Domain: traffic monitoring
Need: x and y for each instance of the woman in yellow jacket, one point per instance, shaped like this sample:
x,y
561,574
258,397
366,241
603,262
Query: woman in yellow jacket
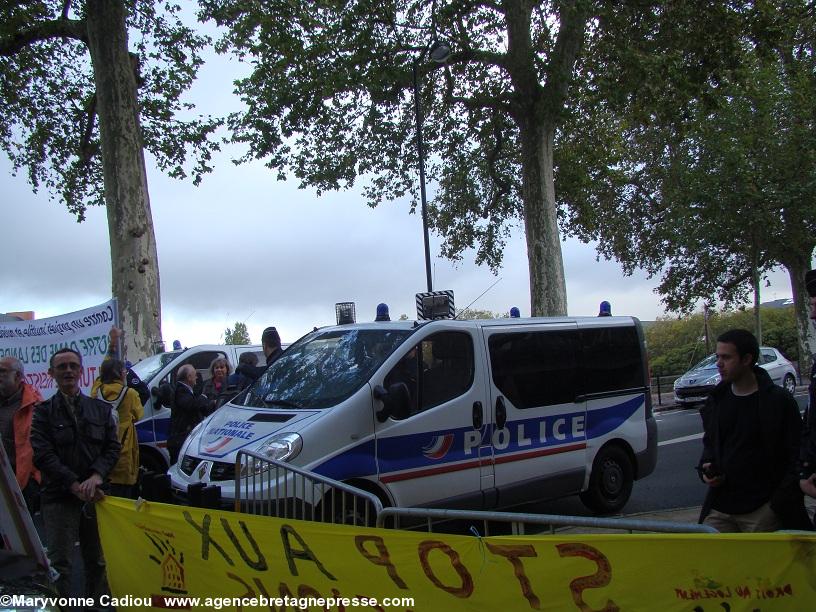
x,y
127,409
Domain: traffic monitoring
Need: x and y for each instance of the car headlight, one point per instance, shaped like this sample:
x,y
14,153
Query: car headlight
x,y
281,447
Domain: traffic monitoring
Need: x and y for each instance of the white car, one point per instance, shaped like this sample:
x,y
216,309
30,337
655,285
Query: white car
x,y
693,386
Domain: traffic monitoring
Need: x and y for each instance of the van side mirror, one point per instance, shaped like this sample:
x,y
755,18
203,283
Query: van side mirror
x,y
396,401
162,396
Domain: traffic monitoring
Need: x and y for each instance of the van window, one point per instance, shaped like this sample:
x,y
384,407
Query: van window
x,y
612,359
534,369
148,367
438,369
324,368
201,362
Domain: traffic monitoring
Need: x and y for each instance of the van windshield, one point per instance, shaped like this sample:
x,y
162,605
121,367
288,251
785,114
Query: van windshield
x,y
323,368
148,367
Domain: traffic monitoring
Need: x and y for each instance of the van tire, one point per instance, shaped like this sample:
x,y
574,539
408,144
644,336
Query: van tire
x,y
152,461
610,483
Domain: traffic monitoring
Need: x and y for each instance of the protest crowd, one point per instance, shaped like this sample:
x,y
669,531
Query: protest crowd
x,y
758,456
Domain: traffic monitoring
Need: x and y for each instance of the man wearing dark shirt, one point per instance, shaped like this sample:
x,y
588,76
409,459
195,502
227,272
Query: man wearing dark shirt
x,y
750,445
271,344
75,444
807,474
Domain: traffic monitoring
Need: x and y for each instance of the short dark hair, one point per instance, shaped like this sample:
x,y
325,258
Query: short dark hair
x,y
111,370
745,342
271,337
248,358
60,352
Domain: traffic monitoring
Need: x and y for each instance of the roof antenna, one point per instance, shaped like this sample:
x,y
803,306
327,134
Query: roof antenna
x,y
479,297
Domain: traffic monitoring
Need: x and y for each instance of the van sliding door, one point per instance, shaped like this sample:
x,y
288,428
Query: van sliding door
x,y
538,413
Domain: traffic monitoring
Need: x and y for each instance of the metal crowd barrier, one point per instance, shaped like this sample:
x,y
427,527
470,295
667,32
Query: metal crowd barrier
x,y
274,488
518,520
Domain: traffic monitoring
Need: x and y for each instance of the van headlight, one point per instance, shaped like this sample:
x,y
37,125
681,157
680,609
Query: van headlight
x,y
188,440
282,447
712,380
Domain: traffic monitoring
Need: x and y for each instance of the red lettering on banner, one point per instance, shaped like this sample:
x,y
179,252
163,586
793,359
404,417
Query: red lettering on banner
x,y
463,590
601,578
383,558
512,554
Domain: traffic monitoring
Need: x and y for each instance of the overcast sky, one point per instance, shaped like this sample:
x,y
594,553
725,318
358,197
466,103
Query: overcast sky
x,y
245,247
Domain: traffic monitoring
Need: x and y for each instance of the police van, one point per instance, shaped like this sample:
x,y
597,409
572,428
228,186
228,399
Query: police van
x,y
474,414
153,429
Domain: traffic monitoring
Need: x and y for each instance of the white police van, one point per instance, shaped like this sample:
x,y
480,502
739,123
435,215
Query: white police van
x,y
444,413
153,429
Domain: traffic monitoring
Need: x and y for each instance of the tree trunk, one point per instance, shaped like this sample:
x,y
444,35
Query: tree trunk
x,y
548,290
801,305
134,261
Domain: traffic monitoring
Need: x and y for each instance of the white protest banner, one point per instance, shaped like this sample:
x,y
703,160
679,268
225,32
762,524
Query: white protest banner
x,y
33,343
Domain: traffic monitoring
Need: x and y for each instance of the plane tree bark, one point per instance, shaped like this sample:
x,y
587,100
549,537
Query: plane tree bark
x,y
71,97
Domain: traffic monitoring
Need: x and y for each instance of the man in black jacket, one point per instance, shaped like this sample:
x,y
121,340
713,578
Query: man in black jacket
x,y
75,444
188,409
271,344
807,475
751,438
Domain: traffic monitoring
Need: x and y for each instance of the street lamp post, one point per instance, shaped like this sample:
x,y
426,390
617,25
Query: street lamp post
x,y
439,53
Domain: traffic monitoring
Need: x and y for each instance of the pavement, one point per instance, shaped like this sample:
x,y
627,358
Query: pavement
x,y
675,515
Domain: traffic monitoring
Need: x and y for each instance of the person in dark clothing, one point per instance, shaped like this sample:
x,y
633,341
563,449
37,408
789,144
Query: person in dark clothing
x,y
807,472
241,381
75,444
751,432
188,409
271,344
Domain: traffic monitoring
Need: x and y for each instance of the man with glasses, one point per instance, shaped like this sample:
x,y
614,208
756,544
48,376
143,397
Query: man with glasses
x,y
17,401
75,446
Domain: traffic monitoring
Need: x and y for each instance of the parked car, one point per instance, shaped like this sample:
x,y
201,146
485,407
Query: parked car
x,y
693,386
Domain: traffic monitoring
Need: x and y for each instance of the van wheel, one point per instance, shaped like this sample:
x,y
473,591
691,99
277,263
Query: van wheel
x,y
789,383
151,461
610,483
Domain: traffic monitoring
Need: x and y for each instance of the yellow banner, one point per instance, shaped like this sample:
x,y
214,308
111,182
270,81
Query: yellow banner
x,y
165,556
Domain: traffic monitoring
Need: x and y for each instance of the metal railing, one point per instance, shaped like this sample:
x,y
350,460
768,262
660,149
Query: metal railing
x,y
518,520
275,488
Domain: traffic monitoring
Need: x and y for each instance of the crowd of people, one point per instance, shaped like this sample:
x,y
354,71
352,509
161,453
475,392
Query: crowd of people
x,y
68,452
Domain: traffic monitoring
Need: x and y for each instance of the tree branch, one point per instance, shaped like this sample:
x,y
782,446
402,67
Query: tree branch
x,y
475,101
480,57
86,147
573,21
45,30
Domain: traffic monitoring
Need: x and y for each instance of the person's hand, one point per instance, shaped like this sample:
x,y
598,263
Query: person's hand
x,y
114,334
808,486
75,490
714,481
88,488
